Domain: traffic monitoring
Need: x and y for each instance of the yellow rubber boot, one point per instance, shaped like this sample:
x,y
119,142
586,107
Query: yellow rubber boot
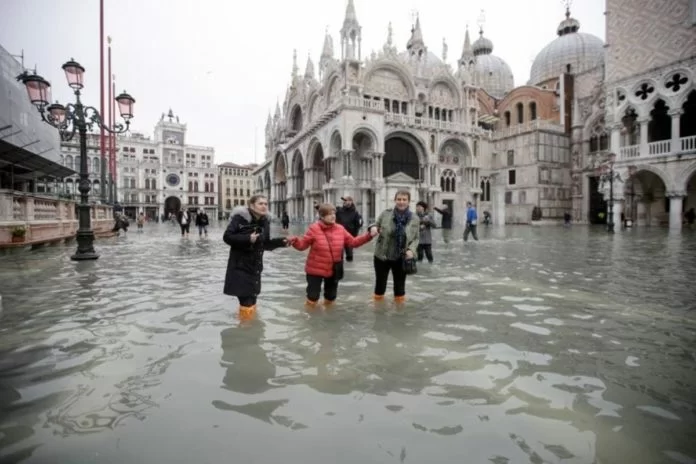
x,y
247,313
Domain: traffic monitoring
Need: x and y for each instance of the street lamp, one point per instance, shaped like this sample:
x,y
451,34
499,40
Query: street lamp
x,y
69,119
606,173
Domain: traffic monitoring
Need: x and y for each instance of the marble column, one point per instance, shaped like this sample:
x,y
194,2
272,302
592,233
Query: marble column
x,y
615,139
643,137
676,201
676,119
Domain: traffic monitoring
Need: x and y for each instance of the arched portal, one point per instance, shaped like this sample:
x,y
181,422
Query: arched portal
x,y
690,200
172,205
400,156
259,185
267,184
280,181
687,121
298,184
361,162
645,200
296,119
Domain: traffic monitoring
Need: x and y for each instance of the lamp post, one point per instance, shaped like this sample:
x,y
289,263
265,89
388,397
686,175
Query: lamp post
x,y
76,117
606,173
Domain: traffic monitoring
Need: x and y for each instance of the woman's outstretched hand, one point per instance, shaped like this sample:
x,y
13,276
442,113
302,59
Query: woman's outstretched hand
x,y
373,231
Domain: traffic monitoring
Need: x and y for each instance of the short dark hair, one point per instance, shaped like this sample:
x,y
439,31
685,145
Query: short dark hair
x,y
423,204
405,193
255,198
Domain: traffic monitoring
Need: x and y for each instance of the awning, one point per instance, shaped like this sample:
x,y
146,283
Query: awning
x,y
22,162
488,119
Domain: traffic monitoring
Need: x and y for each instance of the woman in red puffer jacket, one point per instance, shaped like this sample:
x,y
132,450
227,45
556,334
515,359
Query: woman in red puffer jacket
x,y
326,240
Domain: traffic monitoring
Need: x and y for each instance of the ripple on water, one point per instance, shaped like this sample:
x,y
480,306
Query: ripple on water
x,y
144,336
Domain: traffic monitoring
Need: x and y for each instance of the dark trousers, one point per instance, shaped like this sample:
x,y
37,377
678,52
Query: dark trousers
x,y
349,253
426,249
185,228
247,300
382,269
470,228
314,287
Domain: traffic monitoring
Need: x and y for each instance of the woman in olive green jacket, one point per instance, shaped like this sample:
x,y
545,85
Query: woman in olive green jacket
x,y
397,240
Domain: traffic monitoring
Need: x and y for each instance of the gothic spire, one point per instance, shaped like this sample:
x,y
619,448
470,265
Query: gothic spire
x,y
309,69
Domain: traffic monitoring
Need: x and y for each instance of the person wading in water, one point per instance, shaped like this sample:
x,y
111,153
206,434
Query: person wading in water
x,y
326,240
248,235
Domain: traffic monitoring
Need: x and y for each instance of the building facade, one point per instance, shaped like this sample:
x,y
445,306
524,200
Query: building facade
x,y
70,158
367,126
163,175
235,186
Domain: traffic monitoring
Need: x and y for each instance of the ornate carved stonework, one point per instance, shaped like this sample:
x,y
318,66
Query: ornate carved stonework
x,y
387,83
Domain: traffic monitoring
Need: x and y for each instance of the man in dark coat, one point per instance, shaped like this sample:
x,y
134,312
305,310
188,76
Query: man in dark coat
x,y
350,219
248,235
445,222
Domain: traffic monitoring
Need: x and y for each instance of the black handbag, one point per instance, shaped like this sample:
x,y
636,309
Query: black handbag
x,y
409,265
337,266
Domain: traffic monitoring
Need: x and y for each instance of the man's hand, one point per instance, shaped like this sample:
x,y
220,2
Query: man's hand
x,y
290,240
253,237
373,231
409,254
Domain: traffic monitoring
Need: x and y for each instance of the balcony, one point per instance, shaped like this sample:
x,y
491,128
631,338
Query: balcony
x,y
659,149
530,126
46,219
432,124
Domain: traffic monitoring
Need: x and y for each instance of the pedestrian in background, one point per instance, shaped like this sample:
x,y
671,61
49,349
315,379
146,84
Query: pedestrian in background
x,y
349,217
425,236
471,222
326,239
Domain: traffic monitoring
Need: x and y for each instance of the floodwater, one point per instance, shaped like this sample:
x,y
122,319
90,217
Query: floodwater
x,y
534,345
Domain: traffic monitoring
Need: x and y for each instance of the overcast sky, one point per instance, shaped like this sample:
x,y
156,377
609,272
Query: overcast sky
x,y
222,65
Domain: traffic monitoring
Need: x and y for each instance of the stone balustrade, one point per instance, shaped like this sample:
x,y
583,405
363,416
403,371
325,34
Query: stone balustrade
x,y
46,219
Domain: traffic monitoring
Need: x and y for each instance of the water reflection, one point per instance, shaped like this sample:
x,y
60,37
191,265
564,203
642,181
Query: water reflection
x,y
532,345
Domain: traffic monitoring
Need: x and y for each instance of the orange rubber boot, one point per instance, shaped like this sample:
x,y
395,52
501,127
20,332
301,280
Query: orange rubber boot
x,y
328,303
378,297
400,299
246,313
310,305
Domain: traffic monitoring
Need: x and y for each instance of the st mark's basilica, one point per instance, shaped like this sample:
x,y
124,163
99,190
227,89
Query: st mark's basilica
x,y
366,126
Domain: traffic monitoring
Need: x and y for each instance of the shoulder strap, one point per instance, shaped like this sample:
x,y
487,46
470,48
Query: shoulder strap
x,y
329,243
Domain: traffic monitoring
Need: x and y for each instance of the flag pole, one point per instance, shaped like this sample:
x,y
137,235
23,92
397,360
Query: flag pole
x,y
109,123
101,109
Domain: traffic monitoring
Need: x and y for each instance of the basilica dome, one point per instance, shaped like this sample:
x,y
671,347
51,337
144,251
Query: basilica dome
x,y
571,51
491,72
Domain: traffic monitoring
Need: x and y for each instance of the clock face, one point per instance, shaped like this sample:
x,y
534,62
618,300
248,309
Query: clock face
x,y
173,180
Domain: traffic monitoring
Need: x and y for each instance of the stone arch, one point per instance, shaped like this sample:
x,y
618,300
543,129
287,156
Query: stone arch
x,y
333,91
685,178
457,148
297,166
316,163
259,184
645,192
267,180
377,86
335,143
449,83
367,137
313,107
403,152
279,168
631,128
660,123
296,121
